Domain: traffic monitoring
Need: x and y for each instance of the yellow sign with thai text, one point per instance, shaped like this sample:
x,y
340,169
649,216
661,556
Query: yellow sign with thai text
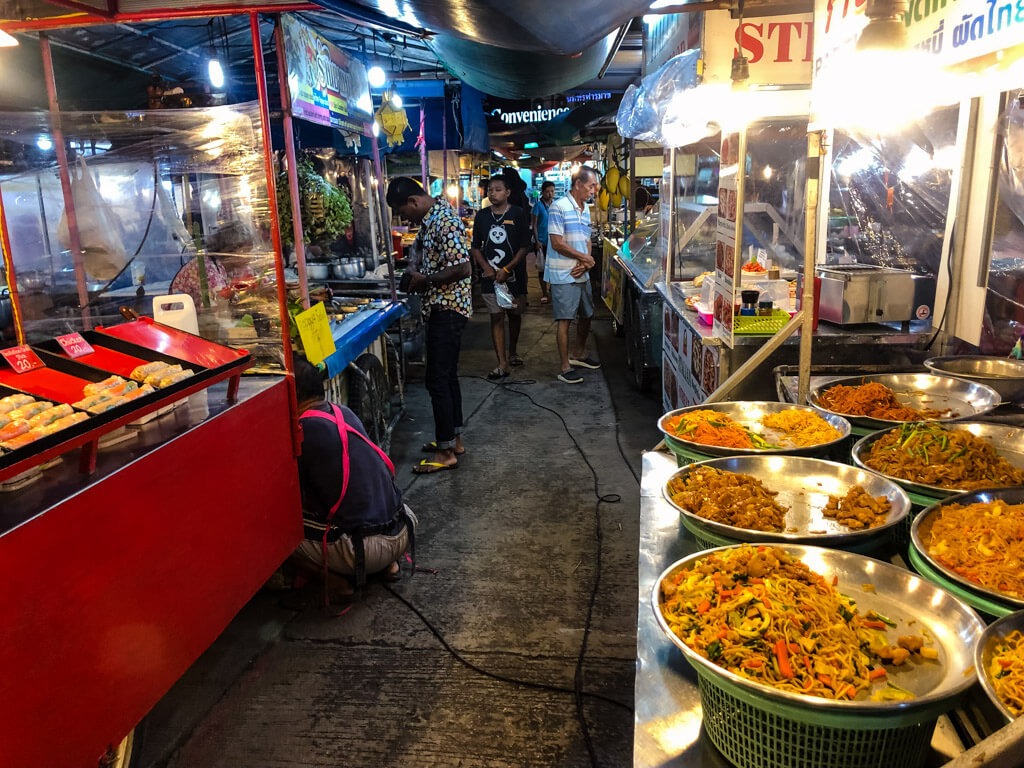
x,y
315,333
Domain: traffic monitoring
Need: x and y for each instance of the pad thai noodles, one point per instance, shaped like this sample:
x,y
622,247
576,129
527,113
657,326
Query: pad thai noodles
x,y
931,454
760,613
876,401
789,428
1006,671
982,542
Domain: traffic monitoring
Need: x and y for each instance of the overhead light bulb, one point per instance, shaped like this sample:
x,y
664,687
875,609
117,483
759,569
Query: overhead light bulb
x,y
453,190
886,28
376,128
216,73
375,76
396,101
7,40
44,143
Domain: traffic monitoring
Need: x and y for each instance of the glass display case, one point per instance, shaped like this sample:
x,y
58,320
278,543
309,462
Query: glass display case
x,y
163,202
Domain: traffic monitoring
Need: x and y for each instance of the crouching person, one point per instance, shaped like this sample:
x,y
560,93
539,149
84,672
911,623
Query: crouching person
x,y
356,523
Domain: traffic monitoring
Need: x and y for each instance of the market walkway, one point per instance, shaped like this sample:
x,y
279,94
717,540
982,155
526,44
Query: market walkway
x,y
518,541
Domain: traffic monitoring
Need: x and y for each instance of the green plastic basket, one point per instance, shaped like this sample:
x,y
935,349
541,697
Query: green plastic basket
x,y
754,731
760,324
983,604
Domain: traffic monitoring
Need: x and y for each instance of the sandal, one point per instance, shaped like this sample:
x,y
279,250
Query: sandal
x,y
497,375
515,360
431,447
430,467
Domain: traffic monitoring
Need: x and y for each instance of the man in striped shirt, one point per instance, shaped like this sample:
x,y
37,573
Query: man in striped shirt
x,y
568,263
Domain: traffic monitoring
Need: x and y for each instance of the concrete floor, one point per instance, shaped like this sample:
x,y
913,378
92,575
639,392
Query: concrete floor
x,y
432,674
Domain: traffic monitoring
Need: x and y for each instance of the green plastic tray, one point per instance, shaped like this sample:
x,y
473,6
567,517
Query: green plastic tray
x,y
978,602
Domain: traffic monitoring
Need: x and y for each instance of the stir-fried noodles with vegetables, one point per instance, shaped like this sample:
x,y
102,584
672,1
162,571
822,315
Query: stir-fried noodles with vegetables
x,y
788,428
876,401
1006,671
982,542
762,614
931,454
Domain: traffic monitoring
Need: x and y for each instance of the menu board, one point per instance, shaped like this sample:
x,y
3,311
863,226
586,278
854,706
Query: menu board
x,y
730,217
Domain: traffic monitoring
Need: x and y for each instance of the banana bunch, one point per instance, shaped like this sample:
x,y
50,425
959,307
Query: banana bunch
x,y
614,188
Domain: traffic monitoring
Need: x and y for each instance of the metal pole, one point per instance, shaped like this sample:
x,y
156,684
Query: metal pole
x,y
9,272
275,225
65,180
817,145
385,218
293,176
423,148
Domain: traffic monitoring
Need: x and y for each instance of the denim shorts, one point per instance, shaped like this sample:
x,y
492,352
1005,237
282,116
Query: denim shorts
x,y
568,299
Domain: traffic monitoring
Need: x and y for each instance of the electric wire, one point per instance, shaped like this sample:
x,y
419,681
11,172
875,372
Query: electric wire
x,y
579,694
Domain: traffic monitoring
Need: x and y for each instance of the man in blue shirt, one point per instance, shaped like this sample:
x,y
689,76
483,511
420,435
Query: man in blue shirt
x,y
540,231
567,268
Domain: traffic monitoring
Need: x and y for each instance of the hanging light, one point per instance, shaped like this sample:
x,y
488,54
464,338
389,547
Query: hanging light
x,y
216,72
7,40
886,74
740,71
396,100
375,76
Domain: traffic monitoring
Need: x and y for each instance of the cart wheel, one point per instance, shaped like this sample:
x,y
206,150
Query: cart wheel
x,y
127,754
368,396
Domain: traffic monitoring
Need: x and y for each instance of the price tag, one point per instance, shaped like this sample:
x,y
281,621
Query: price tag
x,y
315,332
22,359
74,345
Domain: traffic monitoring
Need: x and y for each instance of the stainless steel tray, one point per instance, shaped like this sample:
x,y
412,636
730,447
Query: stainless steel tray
x,y
914,604
804,485
992,636
921,529
919,390
749,414
1008,442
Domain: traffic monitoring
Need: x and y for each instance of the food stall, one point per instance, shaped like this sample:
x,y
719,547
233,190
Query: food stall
x,y
122,440
358,290
698,691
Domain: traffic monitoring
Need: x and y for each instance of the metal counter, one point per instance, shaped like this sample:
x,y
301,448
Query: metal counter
x,y
667,729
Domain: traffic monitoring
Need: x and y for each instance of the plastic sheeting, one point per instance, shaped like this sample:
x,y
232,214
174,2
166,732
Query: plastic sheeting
x,y
1003,324
185,187
647,112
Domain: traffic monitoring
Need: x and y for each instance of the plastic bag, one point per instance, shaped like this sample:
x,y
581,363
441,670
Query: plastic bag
x,y
103,252
504,296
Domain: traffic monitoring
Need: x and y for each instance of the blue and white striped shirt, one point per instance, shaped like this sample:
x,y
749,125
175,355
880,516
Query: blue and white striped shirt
x,y
572,222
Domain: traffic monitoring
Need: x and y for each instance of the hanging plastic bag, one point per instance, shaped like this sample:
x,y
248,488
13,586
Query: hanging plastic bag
x,y
103,252
504,296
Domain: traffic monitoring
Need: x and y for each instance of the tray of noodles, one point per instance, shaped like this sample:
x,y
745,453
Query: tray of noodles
x,y
803,651
976,540
999,659
941,459
754,427
794,499
879,400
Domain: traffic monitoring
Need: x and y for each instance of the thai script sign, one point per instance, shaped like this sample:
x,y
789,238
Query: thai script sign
x,y
327,87
955,31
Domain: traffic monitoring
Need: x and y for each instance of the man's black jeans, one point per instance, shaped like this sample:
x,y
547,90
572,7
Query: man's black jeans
x,y
444,341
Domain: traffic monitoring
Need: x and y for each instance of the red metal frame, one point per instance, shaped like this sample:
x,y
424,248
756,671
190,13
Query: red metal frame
x,y
112,594
156,14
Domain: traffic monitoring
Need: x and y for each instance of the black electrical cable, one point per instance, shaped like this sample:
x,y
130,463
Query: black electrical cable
x,y
613,498
949,283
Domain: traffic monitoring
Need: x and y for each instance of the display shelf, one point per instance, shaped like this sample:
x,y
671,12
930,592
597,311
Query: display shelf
x,y
62,381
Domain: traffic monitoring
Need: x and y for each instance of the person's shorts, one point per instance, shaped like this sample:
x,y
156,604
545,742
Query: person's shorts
x,y
491,302
571,299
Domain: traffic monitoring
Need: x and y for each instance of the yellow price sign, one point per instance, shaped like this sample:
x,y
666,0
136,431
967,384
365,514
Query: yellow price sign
x,y
315,332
